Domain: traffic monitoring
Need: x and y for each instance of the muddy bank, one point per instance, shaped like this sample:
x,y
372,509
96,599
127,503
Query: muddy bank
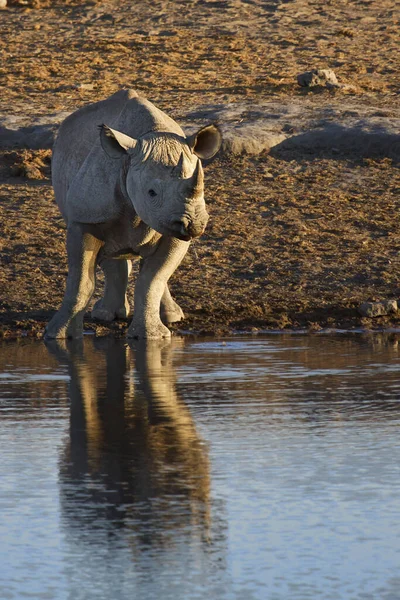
x,y
292,242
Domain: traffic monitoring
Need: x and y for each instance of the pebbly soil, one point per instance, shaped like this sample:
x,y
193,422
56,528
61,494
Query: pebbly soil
x,y
295,239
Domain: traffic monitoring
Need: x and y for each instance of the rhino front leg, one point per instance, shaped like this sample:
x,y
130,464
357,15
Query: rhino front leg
x,y
114,303
150,287
82,250
170,310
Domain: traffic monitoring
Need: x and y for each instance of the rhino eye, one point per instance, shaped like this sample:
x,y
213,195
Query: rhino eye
x,y
152,193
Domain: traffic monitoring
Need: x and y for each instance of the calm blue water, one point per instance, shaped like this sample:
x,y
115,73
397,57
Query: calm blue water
x,y
253,468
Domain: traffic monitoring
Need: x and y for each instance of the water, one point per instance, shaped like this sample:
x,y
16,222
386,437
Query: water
x,y
265,468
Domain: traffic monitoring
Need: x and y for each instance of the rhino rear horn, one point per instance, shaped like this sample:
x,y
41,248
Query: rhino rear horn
x,y
206,142
115,144
178,170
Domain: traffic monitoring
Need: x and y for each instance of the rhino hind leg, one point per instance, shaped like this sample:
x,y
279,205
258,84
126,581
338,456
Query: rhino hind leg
x,y
114,304
170,311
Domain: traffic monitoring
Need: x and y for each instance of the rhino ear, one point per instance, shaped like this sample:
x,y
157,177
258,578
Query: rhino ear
x,y
206,142
115,144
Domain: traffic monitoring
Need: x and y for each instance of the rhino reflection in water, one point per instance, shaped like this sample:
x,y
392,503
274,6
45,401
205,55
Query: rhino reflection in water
x,y
134,462
135,190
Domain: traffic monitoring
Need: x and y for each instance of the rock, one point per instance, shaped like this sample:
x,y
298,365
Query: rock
x,y
250,139
21,131
377,309
339,128
300,126
318,77
246,129
3,3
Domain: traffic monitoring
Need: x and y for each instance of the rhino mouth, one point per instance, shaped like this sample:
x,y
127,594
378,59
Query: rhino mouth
x,y
174,233
183,237
186,230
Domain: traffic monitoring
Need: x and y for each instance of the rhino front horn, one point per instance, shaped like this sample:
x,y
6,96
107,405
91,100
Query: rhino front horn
x,y
197,180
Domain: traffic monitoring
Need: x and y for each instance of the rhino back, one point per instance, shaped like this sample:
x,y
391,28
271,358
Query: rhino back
x,y
84,177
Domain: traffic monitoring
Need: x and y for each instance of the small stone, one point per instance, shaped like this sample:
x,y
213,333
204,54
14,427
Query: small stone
x,y
3,3
318,77
32,172
377,309
267,175
391,305
84,86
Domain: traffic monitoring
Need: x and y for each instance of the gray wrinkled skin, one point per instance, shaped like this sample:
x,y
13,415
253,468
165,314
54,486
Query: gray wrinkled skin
x,y
131,188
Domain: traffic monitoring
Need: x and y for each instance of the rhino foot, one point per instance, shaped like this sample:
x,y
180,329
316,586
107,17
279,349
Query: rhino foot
x,y
172,315
156,331
102,312
170,311
61,328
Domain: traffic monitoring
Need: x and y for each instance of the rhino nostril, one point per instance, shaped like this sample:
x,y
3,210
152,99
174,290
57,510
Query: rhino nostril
x,y
181,226
187,228
177,225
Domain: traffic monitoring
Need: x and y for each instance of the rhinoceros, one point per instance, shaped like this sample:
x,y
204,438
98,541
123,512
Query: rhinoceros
x,y
128,183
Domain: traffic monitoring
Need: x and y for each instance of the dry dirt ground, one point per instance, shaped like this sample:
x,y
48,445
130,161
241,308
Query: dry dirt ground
x,y
295,239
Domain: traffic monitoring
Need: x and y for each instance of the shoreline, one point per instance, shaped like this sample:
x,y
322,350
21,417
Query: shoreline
x,y
25,325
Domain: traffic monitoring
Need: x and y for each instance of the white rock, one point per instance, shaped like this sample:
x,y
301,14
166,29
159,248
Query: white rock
x,y
318,77
378,309
252,128
84,86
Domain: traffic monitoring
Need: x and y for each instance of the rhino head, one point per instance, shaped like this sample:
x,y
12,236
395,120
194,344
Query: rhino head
x,y
164,177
